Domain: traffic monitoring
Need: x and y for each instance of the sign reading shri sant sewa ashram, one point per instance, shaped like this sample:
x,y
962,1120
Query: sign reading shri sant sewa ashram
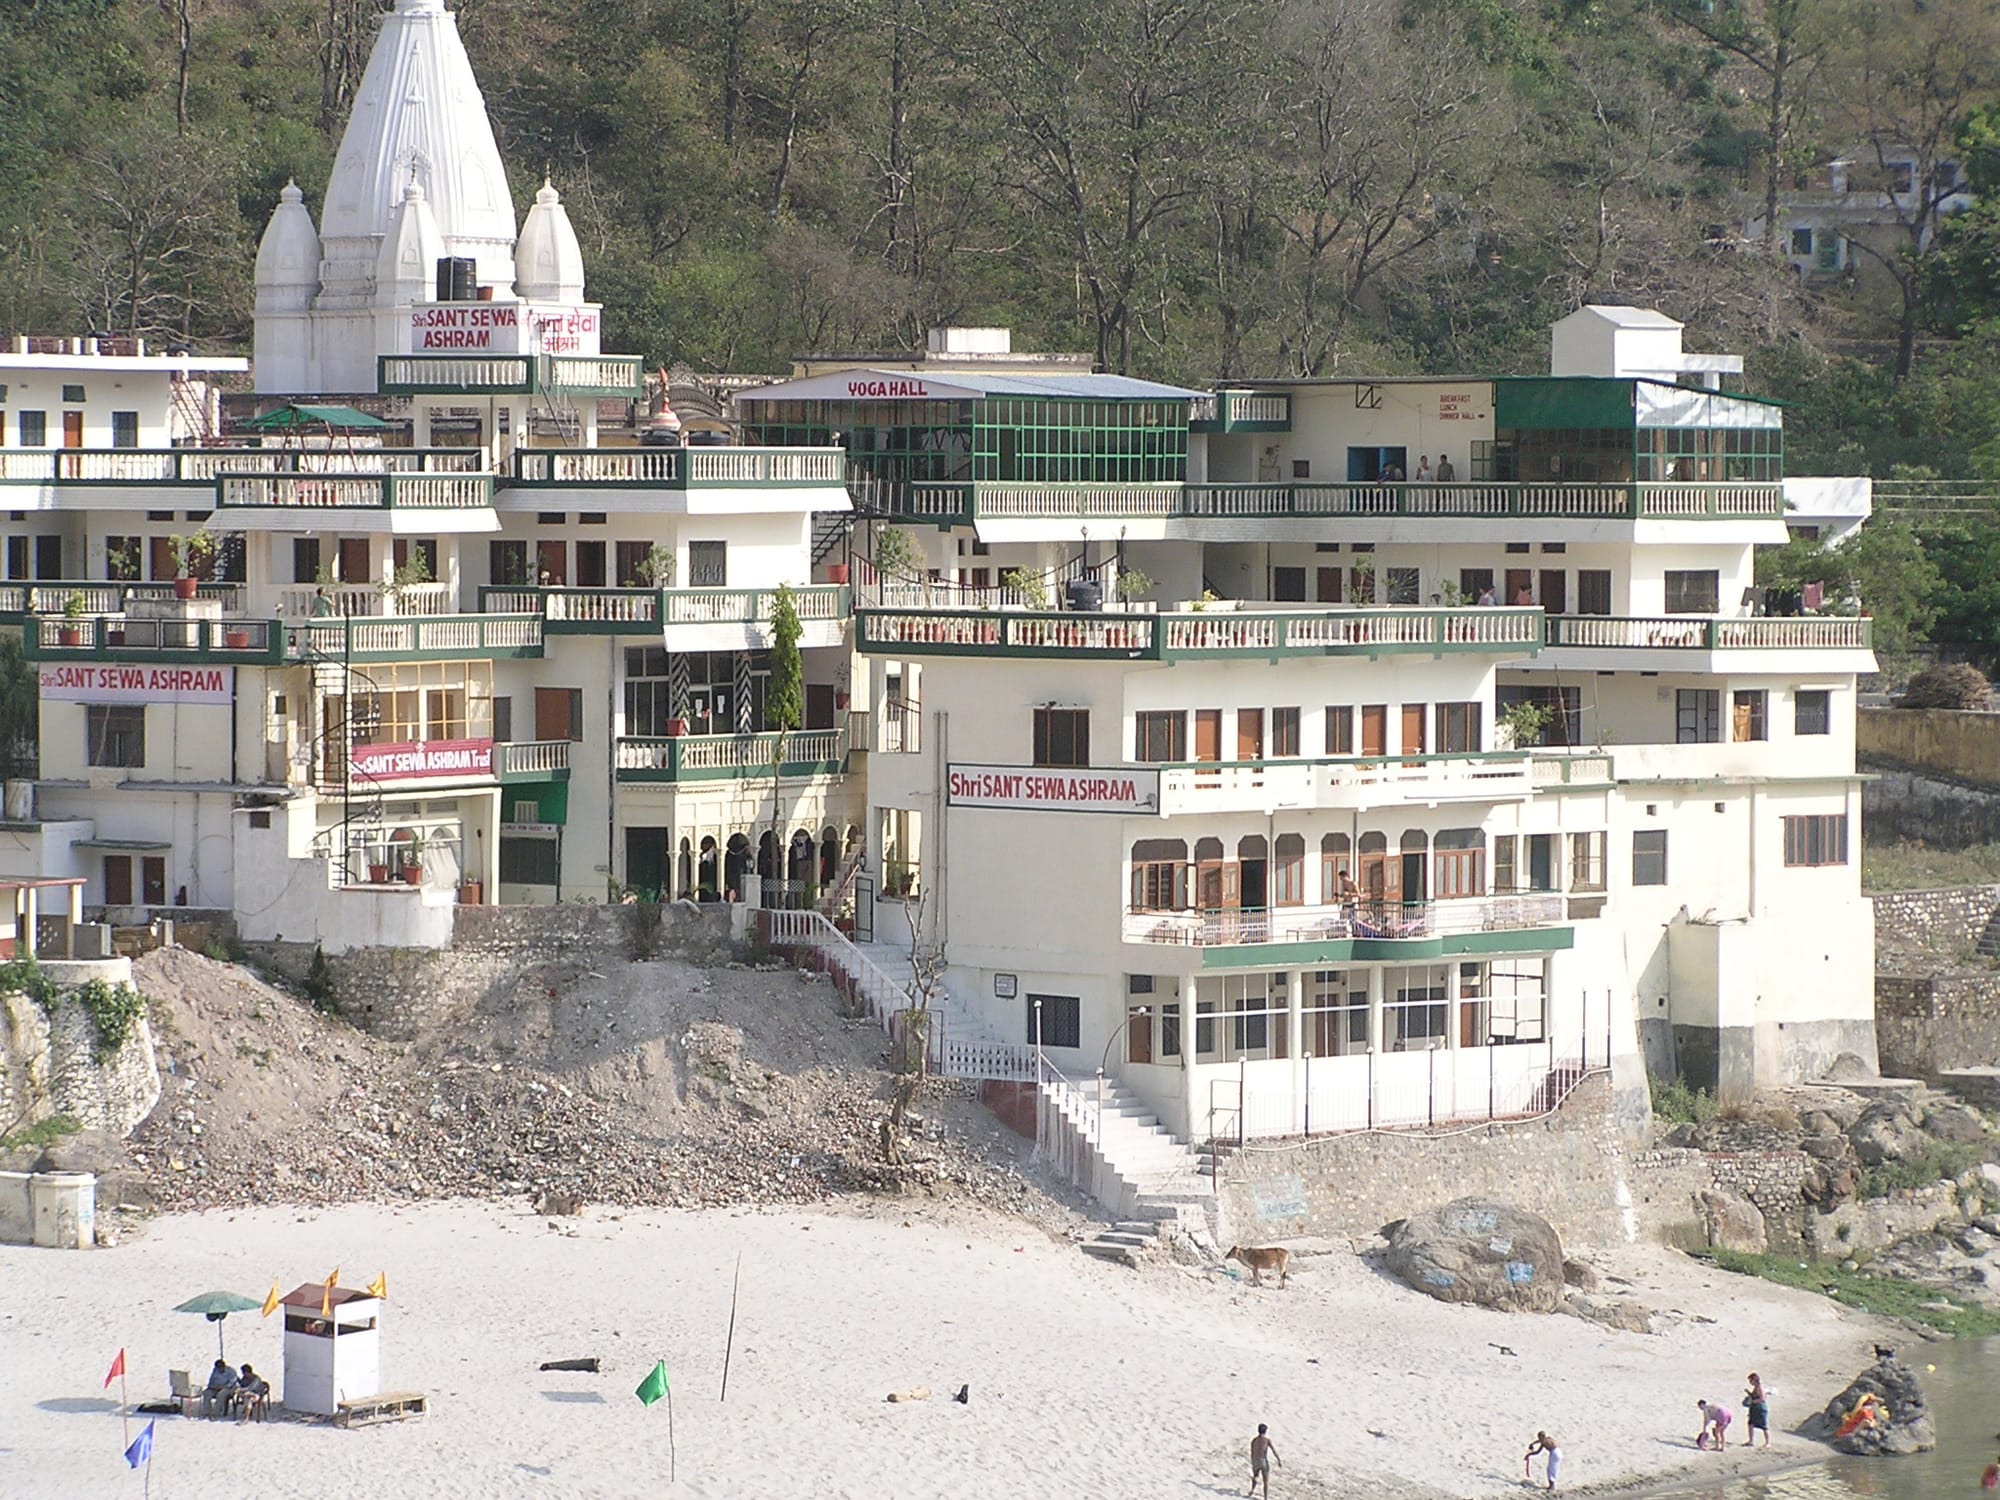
x,y
1040,789
105,682
419,760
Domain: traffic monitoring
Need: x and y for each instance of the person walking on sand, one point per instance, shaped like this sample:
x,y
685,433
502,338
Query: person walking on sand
x,y
1543,1443
1758,1406
1714,1425
1990,1480
1263,1453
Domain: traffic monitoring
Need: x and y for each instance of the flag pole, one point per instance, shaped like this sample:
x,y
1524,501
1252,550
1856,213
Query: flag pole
x,y
124,1405
729,1344
673,1461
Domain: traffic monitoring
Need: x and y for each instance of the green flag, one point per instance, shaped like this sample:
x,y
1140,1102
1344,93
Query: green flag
x,y
654,1385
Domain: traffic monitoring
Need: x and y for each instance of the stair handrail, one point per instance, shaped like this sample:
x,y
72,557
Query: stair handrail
x,y
837,891
810,929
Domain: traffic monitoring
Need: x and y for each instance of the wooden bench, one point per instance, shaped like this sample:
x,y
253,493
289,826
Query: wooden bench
x,y
390,1406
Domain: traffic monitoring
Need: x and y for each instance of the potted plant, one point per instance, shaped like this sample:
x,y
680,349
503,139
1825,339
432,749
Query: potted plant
x,y
471,893
194,553
895,553
656,568
413,860
70,632
1521,724
1132,583
407,575
378,874
121,563
1032,587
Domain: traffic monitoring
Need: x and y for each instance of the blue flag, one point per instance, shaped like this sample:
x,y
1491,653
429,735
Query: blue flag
x,y
141,1450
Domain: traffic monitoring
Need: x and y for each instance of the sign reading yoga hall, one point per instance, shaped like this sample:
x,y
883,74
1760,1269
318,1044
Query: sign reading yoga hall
x,y
1040,789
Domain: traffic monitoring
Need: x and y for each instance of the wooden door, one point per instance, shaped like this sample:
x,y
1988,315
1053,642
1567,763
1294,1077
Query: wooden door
x,y
553,713
1520,587
1139,1036
1374,729
1413,729
1329,585
72,429
1555,591
1208,736
1249,734
552,562
160,557
117,880
354,560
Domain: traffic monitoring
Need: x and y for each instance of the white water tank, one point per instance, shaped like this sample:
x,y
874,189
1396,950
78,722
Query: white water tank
x,y
20,802
65,1209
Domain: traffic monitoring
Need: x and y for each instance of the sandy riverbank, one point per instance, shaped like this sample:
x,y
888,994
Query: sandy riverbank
x,y
1085,1379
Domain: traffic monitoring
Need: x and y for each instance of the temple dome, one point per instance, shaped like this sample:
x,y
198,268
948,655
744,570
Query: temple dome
x,y
288,256
418,111
548,261
406,269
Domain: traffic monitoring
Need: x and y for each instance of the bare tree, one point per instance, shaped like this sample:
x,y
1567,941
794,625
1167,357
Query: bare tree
x,y
927,974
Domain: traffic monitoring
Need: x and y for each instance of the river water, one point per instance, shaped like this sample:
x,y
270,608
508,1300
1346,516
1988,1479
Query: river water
x,y
1964,1395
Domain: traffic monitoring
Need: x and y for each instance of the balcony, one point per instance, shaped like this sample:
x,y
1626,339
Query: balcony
x,y
1211,634
360,491
730,757
344,601
971,502
51,597
1350,782
678,468
204,466
531,760
425,638
1707,633
115,638
641,611
508,374
1363,930
1242,411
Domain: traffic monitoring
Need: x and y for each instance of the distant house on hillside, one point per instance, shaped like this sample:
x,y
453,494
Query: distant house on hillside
x,y
1856,204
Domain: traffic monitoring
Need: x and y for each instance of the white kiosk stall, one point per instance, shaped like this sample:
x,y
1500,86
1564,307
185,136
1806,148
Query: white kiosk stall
x,y
332,1348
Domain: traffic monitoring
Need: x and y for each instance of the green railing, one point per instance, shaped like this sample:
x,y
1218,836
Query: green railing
x,y
508,374
1206,634
117,640
1708,633
730,757
420,637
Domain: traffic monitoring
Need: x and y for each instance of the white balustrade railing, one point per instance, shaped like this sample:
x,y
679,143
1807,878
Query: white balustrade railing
x,y
1357,919
809,929
531,757
1237,785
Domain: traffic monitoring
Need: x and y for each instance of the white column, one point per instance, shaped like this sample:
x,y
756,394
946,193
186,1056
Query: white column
x,y
1375,1038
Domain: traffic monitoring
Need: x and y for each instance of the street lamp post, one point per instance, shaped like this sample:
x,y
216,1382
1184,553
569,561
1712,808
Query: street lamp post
x,y
1104,1061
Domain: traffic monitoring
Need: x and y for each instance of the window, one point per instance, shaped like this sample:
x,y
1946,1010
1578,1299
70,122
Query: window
x,y
590,565
1812,711
121,558
124,429
73,394
1288,585
1405,586
1649,857
1285,731
1820,839
503,720
34,429
1562,710
1586,861
305,559
117,880
507,563
1593,591
1061,1020
708,565
1748,720
558,713
1802,241
1170,1030
1340,729
423,550
115,734
1697,716
528,861
631,558
1160,875
1458,863
1692,591
552,518
1415,1020
1062,736
1160,735
1457,728
1474,584
1288,870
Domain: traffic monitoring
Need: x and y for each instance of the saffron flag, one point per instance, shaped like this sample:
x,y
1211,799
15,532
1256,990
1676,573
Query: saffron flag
x,y
654,1385
379,1287
117,1368
326,1296
271,1299
141,1450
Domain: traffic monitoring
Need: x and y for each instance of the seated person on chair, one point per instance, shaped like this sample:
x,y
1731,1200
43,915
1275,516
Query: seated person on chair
x,y
253,1391
221,1386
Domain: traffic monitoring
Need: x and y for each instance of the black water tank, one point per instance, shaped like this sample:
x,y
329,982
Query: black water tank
x,y
457,278
1083,596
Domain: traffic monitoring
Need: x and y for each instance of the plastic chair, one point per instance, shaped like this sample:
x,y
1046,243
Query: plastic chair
x,y
181,1388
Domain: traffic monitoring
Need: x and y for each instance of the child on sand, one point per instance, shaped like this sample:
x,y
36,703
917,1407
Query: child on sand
x,y
1990,1480
1543,1443
1758,1407
1714,1426
1263,1453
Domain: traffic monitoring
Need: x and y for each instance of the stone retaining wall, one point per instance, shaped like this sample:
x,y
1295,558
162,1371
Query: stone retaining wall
x,y
1901,804
1928,1025
1938,920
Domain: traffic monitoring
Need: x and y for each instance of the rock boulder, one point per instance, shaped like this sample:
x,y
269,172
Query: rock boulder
x,y
1887,1131
1731,1222
1904,1423
1481,1251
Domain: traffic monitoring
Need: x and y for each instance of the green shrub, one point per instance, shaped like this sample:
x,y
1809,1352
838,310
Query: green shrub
x,y
42,1133
114,1010
23,976
1675,1101
1944,1159
1885,1298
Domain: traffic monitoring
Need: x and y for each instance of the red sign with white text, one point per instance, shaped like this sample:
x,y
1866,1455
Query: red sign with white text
x,y
422,760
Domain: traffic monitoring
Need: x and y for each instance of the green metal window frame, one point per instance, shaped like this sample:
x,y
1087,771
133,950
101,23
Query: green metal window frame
x,y
898,441
1709,454
1038,441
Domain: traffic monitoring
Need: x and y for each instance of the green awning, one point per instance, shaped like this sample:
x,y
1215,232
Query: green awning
x,y
1539,403
551,800
290,416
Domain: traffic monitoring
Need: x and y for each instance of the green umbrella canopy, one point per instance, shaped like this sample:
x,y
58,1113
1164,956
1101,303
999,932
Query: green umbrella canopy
x,y
292,415
215,1306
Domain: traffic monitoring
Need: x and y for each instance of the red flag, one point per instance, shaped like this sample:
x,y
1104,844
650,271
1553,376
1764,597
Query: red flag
x,y
117,1368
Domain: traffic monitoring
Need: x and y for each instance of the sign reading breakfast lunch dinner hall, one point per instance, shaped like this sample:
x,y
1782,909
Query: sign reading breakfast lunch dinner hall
x,y
421,760
1038,789
95,682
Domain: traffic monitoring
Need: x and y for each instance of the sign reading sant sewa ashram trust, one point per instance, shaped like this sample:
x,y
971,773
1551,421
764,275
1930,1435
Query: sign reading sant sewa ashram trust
x,y
422,760
1039,789
105,682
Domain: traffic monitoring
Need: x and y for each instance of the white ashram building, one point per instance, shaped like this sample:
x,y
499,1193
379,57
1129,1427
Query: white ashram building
x,y
1296,756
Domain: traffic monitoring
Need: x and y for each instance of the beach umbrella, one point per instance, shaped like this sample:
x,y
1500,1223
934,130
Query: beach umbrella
x,y
215,1306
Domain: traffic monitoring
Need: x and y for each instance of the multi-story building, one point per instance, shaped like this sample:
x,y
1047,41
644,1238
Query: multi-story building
x,y
1332,752
409,627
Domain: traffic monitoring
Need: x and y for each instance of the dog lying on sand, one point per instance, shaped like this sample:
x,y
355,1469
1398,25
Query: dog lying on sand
x,y
1260,1260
